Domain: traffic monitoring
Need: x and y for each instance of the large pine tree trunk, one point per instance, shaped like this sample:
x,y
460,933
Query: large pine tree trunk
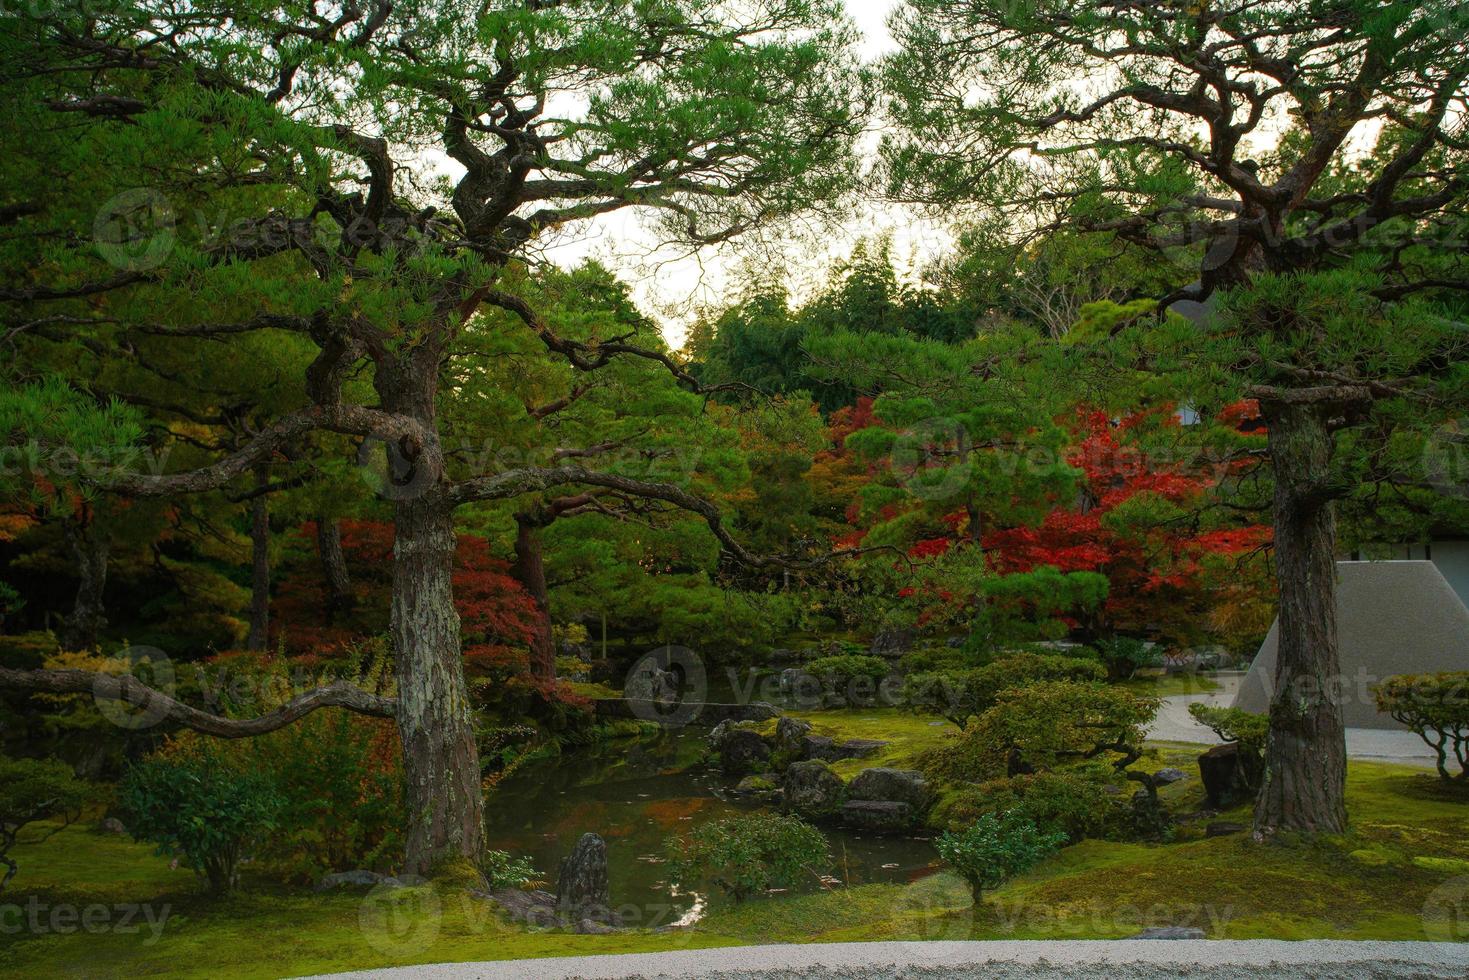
x,y
529,570
440,758
259,637
1305,759
333,567
89,547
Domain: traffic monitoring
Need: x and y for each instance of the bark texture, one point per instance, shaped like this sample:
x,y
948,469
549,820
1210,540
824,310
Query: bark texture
x,y
529,570
1305,757
259,637
440,757
89,547
333,567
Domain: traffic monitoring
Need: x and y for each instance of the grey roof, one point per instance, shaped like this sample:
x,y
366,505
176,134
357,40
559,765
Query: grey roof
x,y
1393,617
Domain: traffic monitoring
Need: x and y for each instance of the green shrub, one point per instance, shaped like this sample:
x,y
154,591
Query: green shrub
x,y
1233,725
1436,706
340,785
848,667
31,790
1043,727
1124,655
503,870
960,695
197,807
929,659
995,849
1076,803
749,854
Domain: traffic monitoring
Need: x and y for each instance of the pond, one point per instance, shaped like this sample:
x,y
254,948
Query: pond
x,y
638,794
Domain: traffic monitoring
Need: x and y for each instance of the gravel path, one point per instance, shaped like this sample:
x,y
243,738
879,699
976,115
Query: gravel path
x,y
1122,960
1175,724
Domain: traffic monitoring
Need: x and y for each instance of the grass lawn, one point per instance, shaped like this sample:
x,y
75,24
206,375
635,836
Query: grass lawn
x,y
1408,851
1163,685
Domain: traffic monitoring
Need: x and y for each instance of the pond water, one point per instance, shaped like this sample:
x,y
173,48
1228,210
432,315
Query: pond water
x,y
637,795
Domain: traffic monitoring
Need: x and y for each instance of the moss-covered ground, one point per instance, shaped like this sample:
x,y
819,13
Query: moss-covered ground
x,y
1405,861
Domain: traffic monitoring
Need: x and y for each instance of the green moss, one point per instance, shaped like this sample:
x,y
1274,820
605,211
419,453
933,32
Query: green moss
x,y
907,734
1164,685
1415,829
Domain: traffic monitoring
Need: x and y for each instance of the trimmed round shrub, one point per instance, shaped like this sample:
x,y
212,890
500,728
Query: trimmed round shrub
x,y
960,695
995,849
1043,727
201,810
1076,803
749,854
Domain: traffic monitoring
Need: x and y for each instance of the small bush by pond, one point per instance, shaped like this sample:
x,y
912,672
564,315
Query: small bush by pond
x,y
750,854
995,848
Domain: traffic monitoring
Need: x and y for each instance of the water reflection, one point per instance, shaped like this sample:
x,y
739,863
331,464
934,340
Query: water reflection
x,y
637,795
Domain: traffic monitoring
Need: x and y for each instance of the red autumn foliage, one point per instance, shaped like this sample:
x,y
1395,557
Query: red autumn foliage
x,y
496,615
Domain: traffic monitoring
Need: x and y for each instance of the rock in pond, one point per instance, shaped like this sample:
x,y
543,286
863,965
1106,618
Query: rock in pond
x,y
883,816
900,785
757,786
811,789
581,888
739,747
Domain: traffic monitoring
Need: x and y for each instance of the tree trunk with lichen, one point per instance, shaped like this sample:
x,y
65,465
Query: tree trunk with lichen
x,y
333,567
1305,757
259,637
435,721
90,548
529,569
443,793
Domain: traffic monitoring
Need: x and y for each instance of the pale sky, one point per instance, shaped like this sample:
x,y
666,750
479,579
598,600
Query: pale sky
x,y
670,287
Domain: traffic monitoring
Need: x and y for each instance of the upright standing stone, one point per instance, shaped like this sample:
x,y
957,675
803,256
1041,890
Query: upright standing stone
x,y
581,889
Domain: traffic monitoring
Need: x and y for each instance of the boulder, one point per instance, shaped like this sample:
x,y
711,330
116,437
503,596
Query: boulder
x,y
649,682
1164,777
790,734
1230,775
801,688
534,908
883,816
739,748
1171,932
356,879
893,642
756,786
112,825
860,748
811,789
902,785
828,750
581,887
1150,819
